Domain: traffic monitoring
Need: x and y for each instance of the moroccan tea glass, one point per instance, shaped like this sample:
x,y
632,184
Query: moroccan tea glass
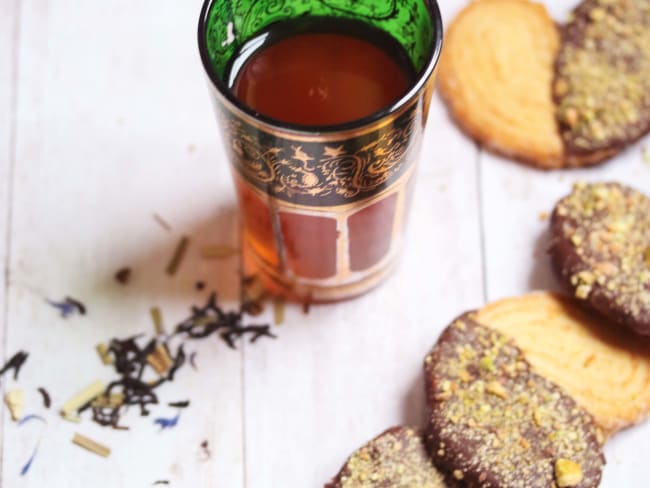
x,y
323,209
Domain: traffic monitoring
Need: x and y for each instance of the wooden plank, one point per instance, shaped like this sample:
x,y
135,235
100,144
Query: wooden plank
x,y
8,37
344,373
115,124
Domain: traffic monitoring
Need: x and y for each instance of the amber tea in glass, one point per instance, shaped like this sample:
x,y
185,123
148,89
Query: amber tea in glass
x,y
322,112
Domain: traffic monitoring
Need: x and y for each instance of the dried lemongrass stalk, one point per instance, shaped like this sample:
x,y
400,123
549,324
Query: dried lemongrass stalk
x,y
156,317
71,417
84,396
91,445
104,355
15,400
159,359
177,257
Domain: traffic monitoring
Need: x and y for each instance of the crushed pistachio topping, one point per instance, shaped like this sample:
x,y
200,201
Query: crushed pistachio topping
x,y
602,84
567,473
397,458
614,250
507,421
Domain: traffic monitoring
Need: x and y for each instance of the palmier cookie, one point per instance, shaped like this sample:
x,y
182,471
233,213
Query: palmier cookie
x,y
495,75
492,422
602,78
607,373
396,459
601,250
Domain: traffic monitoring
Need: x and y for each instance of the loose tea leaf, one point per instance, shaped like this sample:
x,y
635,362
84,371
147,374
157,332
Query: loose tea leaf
x,y
123,275
205,449
183,404
47,401
177,257
135,358
211,318
15,363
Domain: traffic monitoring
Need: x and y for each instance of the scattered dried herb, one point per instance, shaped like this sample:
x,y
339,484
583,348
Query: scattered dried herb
x,y
15,400
25,469
88,394
136,358
205,449
183,404
15,363
102,350
162,222
123,275
161,482
167,423
28,418
91,445
177,257
156,317
47,400
69,306
199,285
211,318
159,359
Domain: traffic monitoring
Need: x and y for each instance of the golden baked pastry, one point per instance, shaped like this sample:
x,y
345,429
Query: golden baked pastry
x,y
496,74
606,372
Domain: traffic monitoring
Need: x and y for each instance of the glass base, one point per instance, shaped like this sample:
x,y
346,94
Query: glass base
x,y
313,291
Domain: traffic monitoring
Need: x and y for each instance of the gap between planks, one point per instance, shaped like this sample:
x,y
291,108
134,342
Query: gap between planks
x,y
11,159
481,220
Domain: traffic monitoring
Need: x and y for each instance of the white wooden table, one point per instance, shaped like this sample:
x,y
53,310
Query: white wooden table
x,y
104,120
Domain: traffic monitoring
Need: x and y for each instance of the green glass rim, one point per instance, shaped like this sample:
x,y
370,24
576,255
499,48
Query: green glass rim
x,y
421,79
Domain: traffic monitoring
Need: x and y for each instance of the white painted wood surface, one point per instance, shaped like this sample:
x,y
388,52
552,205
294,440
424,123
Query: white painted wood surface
x,y
109,123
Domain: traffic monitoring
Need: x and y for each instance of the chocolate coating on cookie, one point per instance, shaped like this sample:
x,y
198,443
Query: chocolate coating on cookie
x,y
395,459
492,422
602,77
601,250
